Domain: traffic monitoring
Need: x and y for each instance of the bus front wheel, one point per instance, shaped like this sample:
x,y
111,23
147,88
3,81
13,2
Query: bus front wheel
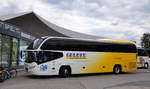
x,y
117,69
65,72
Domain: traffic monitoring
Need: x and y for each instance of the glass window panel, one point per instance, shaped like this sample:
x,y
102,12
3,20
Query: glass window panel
x,y
14,51
0,50
23,46
5,50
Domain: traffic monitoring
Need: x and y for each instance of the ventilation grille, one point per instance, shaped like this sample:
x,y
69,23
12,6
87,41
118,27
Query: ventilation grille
x,y
132,65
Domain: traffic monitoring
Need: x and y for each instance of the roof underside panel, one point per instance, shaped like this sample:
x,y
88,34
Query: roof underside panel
x,y
31,24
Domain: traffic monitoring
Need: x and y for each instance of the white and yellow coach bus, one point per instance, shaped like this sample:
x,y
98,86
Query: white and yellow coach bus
x,y
65,56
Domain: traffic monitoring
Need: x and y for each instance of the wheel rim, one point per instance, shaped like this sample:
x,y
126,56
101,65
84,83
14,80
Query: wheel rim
x,y
146,65
117,70
66,72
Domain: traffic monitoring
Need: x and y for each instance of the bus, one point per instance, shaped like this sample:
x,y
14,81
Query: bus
x,y
143,58
66,56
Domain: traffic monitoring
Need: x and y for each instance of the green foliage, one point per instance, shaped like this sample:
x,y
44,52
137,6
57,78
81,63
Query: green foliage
x,y
145,40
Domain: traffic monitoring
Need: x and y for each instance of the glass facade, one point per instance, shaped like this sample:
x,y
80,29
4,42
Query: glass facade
x,y
10,51
12,41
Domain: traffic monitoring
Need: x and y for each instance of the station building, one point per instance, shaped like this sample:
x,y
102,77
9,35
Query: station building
x,y
17,31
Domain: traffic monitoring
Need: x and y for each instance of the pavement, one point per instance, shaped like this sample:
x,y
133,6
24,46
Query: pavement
x,y
131,80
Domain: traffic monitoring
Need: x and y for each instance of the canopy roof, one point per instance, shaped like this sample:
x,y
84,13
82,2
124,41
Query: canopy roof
x,y
37,26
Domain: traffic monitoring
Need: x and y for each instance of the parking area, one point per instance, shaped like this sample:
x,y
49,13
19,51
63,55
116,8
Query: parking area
x,y
131,80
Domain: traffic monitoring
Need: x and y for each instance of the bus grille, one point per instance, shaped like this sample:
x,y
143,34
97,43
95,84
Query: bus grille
x,y
131,65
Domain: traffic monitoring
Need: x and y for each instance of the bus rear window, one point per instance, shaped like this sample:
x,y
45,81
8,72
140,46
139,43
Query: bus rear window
x,y
142,52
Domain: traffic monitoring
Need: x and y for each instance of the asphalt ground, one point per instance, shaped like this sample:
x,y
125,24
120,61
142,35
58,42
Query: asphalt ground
x,y
139,79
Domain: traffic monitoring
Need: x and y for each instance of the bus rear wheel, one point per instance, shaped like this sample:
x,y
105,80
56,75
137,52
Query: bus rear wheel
x,y
146,66
65,72
117,69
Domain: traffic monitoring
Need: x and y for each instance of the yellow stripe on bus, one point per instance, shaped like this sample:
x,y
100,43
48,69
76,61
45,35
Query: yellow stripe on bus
x,y
76,58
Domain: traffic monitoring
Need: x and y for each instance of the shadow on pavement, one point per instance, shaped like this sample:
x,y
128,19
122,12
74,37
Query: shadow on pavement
x,y
77,75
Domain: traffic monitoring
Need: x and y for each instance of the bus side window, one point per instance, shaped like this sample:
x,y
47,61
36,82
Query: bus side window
x,y
49,56
53,55
48,45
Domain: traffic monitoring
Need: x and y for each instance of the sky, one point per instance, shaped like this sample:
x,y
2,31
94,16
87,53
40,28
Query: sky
x,y
118,19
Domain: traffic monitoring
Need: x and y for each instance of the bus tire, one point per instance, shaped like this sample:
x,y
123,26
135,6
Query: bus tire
x,y
117,69
146,66
65,72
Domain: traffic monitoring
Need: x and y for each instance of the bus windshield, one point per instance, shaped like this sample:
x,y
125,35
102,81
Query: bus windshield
x,y
30,56
35,44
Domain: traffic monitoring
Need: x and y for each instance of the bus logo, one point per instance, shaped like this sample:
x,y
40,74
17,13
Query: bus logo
x,y
76,56
43,67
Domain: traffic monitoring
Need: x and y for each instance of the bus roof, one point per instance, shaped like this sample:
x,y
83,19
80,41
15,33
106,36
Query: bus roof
x,y
91,40
118,41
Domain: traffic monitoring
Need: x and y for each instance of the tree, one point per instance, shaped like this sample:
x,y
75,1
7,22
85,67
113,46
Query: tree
x,y
145,40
